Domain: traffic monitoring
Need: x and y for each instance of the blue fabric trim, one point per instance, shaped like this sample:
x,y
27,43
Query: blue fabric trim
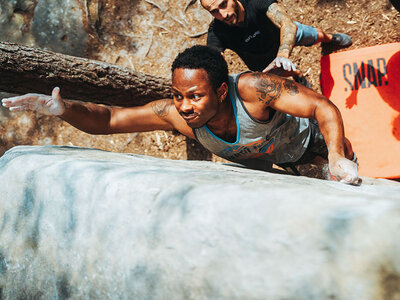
x,y
237,125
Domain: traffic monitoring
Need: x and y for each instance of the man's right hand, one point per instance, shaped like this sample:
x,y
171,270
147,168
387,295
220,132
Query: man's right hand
x,y
48,105
344,170
281,62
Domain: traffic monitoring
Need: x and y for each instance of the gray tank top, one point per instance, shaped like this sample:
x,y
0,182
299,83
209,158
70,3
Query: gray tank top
x,y
258,144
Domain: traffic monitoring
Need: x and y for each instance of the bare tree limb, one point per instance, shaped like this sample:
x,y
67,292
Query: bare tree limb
x,y
24,69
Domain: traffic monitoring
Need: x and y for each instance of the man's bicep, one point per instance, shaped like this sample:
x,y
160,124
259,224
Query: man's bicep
x,y
156,115
280,94
298,100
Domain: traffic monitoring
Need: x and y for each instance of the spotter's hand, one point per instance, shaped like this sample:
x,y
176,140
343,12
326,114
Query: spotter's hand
x,y
281,62
344,170
48,105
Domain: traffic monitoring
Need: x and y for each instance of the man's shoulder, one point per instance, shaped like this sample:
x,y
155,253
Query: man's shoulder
x,y
257,5
245,79
251,84
245,83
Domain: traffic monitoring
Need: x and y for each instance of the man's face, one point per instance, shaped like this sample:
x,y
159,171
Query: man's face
x,y
227,11
194,96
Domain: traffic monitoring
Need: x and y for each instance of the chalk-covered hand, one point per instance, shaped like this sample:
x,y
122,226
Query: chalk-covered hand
x,y
48,105
344,170
279,62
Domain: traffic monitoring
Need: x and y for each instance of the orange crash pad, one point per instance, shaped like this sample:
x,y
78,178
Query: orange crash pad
x,y
365,85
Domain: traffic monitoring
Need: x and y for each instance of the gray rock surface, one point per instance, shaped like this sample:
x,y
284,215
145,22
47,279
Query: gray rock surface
x,y
58,25
88,224
15,20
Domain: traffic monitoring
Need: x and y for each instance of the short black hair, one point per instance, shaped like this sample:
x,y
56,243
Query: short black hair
x,y
203,57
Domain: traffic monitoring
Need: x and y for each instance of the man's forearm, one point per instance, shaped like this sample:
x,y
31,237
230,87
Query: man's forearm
x,y
288,29
88,117
331,125
288,38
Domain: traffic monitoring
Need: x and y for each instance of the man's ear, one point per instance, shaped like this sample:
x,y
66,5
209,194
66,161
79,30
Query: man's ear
x,y
222,91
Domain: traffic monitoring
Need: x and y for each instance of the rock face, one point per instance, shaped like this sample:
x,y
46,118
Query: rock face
x,y
84,223
58,24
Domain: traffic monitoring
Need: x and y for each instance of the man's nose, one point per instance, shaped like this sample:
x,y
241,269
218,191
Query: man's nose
x,y
186,105
224,14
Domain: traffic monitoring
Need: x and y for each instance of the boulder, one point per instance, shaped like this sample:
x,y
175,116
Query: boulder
x,y
59,25
84,223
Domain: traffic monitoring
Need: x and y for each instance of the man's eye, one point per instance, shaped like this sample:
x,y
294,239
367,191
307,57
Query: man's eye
x,y
214,12
196,97
177,97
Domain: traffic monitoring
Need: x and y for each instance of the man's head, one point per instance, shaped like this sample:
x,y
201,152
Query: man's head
x,y
230,12
199,84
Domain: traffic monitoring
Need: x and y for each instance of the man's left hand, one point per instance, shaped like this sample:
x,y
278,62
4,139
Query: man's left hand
x,y
281,62
344,170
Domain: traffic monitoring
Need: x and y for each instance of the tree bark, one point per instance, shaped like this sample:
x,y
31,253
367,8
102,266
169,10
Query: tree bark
x,y
25,70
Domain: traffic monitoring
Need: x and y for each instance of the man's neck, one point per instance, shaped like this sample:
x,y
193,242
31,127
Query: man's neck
x,y
223,124
241,14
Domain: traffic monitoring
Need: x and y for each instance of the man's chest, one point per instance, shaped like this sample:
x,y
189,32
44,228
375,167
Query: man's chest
x,y
251,38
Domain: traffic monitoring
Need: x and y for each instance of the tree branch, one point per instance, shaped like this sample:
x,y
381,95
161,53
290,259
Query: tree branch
x,y
24,70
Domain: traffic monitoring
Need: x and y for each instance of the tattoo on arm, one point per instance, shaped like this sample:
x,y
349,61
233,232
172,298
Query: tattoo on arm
x,y
268,89
288,31
161,107
285,47
288,37
278,16
291,87
275,15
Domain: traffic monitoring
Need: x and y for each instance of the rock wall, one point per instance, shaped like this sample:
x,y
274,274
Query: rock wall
x,y
84,223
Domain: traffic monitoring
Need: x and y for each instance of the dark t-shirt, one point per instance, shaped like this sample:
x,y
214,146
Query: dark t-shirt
x,y
257,42
396,4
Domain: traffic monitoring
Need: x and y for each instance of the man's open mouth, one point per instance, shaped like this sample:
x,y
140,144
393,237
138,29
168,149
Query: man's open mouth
x,y
189,116
230,19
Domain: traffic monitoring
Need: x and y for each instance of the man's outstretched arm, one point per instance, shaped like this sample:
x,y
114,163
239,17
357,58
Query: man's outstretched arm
x,y
264,90
287,38
95,118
